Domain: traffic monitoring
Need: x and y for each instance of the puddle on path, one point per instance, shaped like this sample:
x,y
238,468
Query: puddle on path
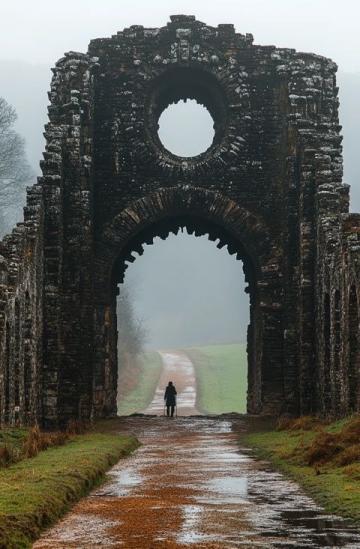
x,y
82,530
190,486
121,482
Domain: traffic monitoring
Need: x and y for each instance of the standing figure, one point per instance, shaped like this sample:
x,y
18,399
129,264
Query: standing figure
x,y
170,398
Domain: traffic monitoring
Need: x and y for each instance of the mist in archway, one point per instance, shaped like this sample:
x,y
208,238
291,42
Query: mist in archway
x,y
188,314
188,292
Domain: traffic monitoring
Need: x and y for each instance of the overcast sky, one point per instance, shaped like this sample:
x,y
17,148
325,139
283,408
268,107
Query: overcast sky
x,y
41,30
35,33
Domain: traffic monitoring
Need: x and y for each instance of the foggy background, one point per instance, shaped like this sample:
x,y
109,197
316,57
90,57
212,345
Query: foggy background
x,y
185,289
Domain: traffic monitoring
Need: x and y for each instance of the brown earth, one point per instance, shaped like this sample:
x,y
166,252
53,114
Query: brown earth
x,y
191,485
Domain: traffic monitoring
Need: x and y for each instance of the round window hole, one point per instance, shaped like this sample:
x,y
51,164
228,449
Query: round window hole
x,y
186,129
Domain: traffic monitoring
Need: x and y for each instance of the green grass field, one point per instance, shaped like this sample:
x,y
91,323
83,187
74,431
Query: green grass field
x,y
221,374
138,382
37,491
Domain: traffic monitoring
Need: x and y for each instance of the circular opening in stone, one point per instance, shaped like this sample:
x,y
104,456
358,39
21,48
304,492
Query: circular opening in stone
x,y
187,112
186,128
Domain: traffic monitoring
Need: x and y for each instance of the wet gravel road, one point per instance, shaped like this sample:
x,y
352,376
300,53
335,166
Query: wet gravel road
x,y
191,485
178,368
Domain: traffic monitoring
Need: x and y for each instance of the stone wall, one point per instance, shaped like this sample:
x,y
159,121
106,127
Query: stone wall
x,y
337,319
269,188
21,316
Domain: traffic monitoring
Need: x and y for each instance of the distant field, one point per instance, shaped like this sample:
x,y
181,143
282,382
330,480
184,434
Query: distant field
x,y
137,383
221,373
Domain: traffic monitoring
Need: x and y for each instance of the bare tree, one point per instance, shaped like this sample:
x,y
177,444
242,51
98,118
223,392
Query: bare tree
x,y
15,172
131,331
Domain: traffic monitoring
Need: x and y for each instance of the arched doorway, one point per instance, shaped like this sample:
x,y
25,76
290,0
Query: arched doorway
x,y
198,227
202,213
183,312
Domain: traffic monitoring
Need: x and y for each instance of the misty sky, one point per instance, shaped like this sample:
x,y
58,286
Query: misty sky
x,y
41,30
186,290
34,34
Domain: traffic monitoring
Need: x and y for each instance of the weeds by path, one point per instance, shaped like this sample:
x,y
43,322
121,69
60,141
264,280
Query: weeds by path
x,y
20,443
36,491
323,457
138,379
11,444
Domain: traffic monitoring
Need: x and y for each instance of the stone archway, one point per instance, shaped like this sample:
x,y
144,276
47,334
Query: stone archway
x,y
212,214
270,183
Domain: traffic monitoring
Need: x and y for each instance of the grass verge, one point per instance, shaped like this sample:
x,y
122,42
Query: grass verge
x,y
322,458
35,492
138,379
12,437
11,445
221,377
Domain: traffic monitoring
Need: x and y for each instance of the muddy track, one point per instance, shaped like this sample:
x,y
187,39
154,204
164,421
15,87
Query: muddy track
x,y
191,485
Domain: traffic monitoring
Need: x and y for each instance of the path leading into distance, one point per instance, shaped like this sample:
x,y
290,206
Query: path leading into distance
x,y
190,485
178,368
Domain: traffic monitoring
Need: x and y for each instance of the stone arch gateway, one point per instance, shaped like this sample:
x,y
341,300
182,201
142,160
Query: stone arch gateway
x,y
269,187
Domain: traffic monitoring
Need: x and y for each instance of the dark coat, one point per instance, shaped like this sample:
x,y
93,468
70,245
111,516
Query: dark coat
x,y
170,395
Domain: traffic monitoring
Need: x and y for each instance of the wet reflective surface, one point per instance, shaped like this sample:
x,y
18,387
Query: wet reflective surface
x,y
190,485
177,368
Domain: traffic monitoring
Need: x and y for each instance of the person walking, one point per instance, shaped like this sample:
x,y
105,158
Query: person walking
x,y
170,399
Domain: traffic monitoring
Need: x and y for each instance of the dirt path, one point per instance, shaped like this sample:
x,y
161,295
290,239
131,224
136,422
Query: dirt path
x,y
177,368
190,485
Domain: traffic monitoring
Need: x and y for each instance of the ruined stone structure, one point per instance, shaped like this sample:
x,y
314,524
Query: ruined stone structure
x,y
269,187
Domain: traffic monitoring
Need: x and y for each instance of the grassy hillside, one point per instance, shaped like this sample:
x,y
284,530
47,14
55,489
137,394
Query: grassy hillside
x,y
138,380
221,373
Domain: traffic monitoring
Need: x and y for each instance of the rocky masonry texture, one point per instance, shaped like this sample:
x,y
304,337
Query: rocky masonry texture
x,y
269,187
